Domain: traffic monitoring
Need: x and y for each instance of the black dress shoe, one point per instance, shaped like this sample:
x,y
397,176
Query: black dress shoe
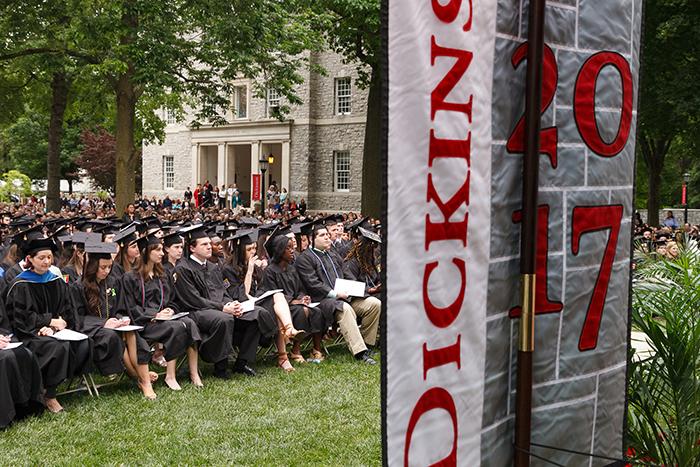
x,y
244,370
220,370
364,357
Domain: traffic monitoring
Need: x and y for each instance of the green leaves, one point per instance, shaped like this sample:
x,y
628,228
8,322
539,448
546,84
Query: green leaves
x,y
664,390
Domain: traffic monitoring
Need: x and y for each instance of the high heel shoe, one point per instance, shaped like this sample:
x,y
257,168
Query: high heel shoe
x,y
290,333
172,384
283,362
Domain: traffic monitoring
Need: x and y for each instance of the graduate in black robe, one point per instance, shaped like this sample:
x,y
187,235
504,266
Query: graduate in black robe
x,y
200,291
127,257
281,274
95,299
360,262
20,378
172,247
38,304
148,296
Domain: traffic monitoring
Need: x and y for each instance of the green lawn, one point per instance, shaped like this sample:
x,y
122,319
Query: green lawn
x,y
327,414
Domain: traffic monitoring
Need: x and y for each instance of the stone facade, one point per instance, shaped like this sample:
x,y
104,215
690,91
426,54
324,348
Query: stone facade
x,y
304,146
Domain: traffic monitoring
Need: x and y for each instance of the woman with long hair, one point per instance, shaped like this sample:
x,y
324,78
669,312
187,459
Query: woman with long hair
x,y
281,274
95,299
242,276
127,258
73,267
38,302
360,263
149,299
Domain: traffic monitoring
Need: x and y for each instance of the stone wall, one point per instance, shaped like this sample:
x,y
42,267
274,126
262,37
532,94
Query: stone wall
x,y
315,133
693,215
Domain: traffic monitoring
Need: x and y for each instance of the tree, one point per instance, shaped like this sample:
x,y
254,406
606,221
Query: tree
x,y
97,157
668,98
353,29
171,54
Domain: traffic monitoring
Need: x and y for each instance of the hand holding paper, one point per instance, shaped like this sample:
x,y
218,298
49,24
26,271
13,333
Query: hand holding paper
x,y
351,288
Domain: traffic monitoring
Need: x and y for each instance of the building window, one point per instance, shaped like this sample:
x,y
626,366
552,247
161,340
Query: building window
x,y
170,117
240,102
341,170
168,172
273,102
343,96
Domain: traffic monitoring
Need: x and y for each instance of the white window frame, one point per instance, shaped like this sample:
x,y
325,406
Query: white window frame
x,y
170,117
168,172
343,95
236,102
341,173
273,100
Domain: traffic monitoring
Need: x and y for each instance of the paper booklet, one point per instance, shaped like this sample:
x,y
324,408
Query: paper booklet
x,y
175,316
68,335
249,304
129,327
352,288
313,304
12,345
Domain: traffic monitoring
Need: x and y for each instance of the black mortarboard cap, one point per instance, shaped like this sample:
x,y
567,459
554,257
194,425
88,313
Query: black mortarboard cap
x,y
100,250
246,236
145,242
368,234
26,235
302,228
39,244
125,236
333,219
172,239
249,222
194,232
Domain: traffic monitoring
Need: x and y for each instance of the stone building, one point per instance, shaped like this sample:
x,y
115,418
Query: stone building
x,y
317,150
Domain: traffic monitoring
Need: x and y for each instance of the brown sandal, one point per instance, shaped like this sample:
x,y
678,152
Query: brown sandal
x,y
317,355
297,358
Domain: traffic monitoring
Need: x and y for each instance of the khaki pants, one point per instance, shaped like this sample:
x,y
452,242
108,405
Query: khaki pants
x,y
369,310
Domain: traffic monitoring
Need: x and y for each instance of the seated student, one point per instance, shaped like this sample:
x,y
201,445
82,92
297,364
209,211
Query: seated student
x,y
360,265
148,297
242,276
38,304
128,254
95,302
319,269
72,268
172,247
20,378
200,291
281,274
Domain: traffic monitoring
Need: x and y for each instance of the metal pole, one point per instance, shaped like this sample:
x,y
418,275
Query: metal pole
x,y
262,193
528,237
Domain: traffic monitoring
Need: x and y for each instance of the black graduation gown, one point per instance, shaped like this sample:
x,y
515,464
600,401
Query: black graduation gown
x,y
318,272
117,271
312,320
141,301
353,272
20,380
200,290
31,305
108,344
264,312
72,274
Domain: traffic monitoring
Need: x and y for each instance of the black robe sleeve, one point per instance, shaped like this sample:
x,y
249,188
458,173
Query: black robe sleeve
x,y
85,321
26,318
130,301
187,290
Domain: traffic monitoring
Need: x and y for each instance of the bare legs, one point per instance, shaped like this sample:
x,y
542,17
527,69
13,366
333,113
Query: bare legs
x,y
171,370
136,370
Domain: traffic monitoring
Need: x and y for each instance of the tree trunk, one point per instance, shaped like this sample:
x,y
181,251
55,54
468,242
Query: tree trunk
x,y
59,100
70,186
372,169
654,151
125,153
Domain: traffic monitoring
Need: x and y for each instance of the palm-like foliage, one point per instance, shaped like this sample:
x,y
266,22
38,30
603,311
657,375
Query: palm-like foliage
x,y
664,390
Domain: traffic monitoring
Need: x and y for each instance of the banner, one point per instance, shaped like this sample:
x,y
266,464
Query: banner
x,y
255,191
455,143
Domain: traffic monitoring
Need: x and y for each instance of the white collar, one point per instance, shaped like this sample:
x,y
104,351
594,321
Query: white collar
x,y
194,258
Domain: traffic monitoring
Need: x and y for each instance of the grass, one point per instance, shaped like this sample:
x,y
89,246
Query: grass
x,y
327,414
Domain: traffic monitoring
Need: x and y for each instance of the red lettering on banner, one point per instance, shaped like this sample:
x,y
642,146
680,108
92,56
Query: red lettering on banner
x,y
549,137
585,219
434,398
584,103
441,356
542,303
449,12
450,80
451,148
443,317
